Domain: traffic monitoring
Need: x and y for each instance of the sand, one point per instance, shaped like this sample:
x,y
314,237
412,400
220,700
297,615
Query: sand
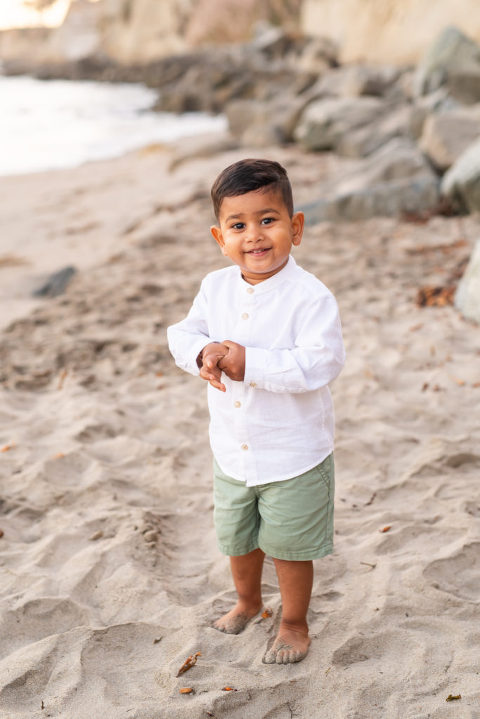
x,y
109,573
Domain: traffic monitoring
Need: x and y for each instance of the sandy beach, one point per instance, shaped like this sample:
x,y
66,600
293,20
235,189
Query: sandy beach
x,y
109,572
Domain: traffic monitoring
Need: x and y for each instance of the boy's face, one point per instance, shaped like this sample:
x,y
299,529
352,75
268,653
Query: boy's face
x,y
256,232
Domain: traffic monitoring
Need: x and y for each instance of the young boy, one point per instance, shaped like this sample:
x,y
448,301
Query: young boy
x,y
265,334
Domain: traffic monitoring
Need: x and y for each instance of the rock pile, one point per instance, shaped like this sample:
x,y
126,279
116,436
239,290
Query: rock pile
x,y
414,132
409,137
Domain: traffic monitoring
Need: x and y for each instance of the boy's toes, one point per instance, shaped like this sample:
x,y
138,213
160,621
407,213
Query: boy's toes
x,y
283,653
270,657
232,623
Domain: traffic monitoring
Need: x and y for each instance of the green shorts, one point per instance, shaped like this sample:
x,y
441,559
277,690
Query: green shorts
x,y
291,519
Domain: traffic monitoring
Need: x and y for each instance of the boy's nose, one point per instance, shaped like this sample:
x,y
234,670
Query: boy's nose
x,y
255,233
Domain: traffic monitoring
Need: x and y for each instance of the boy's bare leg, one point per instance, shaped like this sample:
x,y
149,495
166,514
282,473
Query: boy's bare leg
x,y
292,641
247,577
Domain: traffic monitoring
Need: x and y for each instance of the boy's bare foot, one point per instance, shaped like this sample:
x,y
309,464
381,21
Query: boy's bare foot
x,y
291,645
235,621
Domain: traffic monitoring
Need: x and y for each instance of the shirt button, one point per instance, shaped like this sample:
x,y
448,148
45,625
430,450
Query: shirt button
x,y
253,384
237,404
245,316
250,290
244,446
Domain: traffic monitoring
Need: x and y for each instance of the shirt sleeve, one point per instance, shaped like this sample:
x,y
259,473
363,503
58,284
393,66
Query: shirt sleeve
x,y
187,338
316,359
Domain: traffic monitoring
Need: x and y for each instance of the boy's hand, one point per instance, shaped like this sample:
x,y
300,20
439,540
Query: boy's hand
x,y
233,363
210,371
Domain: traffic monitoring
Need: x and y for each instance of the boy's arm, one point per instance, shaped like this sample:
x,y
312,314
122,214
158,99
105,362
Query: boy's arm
x,y
316,359
187,338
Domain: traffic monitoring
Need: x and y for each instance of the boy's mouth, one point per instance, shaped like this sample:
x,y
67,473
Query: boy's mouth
x,y
258,251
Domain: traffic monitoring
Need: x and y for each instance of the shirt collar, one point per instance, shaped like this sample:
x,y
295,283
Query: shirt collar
x,y
272,282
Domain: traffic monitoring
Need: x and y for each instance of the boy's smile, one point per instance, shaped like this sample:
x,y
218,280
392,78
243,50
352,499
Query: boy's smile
x,y
256,232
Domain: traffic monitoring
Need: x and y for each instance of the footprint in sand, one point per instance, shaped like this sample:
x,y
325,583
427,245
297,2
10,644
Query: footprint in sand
x,y
459,574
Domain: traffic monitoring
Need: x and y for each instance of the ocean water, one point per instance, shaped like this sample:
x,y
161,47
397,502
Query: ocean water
x,y
52,124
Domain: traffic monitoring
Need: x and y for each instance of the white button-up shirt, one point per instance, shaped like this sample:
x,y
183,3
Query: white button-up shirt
x,y
278,422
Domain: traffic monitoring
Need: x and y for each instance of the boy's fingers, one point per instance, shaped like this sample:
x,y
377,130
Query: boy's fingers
x,y
212,360
210,375
218,385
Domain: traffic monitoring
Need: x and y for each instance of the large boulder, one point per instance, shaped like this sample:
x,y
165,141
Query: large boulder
x,y
453,60
394,181
461,184
258,123
362,141
422,107
325,123
358,80
467,297
447,135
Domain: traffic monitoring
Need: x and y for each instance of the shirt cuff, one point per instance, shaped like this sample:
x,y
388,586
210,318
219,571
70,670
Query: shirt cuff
x,y
255,366
197,347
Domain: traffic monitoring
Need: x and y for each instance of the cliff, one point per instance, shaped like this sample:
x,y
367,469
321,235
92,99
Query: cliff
x,y
141,31
389,31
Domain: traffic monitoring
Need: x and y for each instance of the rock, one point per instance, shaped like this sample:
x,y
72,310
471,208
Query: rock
x,y
461,184
394,181
467,297
325,123
358,80
276,44
417,197
454,61
261,124
397,160
208,81
447,135
369,138
318,55
56,283
437,101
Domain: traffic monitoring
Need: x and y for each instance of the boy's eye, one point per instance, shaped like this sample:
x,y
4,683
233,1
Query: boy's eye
x,y
267,220
238,226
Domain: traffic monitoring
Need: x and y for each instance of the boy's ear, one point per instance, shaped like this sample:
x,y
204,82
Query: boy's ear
x,y
298,222
217,236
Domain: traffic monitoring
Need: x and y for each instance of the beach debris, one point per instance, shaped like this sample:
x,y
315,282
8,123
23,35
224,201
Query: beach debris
x,y
435,296
157,640
386,529
96,535
150,536
266,614
56,283
229,689
186,690
189,663
1,533
453,697
371,500
62,378
7,447
59,455
43,705
12,261
368,564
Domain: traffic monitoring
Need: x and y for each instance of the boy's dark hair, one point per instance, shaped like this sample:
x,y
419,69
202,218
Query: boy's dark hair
x,y
250,175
